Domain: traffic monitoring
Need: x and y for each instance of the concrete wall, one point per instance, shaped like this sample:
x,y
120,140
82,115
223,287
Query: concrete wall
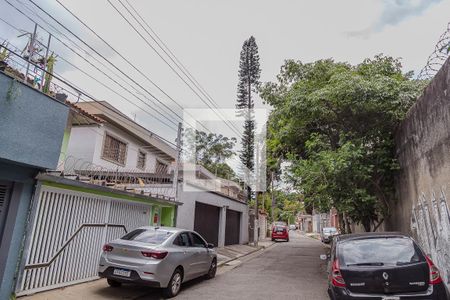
x,y
423,183
31,125
186,212
13,233
86,143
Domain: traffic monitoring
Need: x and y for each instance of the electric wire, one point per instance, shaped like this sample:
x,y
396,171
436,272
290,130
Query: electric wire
x,y
115,51
165,61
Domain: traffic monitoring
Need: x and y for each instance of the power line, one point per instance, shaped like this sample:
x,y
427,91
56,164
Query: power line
x,y
94,66
103,57
115,51
126,99
73,87
167,63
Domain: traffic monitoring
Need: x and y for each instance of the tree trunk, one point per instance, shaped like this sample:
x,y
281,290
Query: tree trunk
x,y
366,225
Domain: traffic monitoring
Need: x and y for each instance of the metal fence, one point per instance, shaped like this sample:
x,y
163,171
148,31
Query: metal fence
x,y
67,232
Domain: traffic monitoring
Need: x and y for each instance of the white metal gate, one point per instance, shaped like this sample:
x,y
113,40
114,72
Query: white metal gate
x,y
68,231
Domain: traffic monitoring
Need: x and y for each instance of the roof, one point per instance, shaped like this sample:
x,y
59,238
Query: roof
x,y
111,115
82,117
358,236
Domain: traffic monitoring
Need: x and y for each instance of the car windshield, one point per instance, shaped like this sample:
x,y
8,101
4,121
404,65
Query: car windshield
x,y
147,236
379,252
329,230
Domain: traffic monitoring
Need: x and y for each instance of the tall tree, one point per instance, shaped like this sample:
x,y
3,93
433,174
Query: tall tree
x,y
249,73
335,124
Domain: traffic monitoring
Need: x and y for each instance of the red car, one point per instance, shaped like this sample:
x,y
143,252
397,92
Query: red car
x,y
280,232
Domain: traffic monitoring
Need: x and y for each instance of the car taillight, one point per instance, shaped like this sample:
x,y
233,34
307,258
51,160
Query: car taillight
x,y
155,254
435,277
336,276
107,248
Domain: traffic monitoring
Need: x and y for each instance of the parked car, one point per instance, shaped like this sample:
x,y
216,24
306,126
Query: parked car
x,y
280,232
159,257
387,266
327,234
292,227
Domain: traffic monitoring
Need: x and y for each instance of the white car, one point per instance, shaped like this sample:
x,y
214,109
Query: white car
x,y
159,257
292,227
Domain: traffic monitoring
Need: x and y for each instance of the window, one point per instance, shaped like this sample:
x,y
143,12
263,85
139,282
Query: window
x,y
141,159
147,236
197,241
182,240
161,168
114,150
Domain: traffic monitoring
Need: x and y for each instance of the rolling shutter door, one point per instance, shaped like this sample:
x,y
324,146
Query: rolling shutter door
x,y
5,190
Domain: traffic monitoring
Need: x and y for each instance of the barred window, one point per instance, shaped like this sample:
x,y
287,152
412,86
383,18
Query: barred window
x,y
141,159
161,168
114,150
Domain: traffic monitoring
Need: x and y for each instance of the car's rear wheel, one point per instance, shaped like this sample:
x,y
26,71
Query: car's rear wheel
x,y
212,270
174,286
287,240
113,283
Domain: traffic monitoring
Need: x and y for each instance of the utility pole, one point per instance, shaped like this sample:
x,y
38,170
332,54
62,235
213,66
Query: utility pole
x,y
273,196
256,172
177,160
30,51
45,62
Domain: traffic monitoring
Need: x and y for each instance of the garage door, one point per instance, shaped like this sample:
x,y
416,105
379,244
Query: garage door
x,y
67,234
232,228
206,222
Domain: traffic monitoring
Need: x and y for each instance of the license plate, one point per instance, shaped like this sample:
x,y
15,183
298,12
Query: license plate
x,y
121,272
391,298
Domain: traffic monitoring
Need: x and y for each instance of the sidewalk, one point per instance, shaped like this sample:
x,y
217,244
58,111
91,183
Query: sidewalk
x,y
232,252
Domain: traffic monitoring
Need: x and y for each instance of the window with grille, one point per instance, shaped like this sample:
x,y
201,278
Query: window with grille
x,y
141,160
114,150
161,168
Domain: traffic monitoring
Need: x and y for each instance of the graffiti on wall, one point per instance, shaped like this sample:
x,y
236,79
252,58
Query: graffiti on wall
x,y
430,223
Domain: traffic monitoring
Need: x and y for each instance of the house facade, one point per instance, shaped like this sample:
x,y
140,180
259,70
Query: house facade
x,y
32,127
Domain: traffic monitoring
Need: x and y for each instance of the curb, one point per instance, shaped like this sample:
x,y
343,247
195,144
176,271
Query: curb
x,y
260,248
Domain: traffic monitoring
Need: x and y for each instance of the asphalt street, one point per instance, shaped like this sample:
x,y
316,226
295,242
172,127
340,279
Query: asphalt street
x,y
290,270
285,270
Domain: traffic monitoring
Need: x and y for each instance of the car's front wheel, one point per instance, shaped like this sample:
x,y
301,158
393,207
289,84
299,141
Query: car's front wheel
x,y
212,270
174,286
113,283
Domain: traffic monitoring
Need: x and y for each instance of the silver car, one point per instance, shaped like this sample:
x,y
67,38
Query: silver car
x,y
159,257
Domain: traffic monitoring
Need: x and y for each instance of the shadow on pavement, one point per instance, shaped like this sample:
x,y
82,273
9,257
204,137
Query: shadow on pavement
x,y
140,292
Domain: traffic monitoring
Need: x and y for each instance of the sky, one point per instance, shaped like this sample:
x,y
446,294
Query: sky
x,y
207,37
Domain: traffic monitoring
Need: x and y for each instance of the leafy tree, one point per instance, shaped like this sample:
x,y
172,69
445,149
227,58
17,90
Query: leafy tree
x,y
210,150
335,124
249,73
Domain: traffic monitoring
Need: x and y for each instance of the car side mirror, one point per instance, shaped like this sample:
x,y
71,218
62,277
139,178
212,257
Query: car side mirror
x,y
210,246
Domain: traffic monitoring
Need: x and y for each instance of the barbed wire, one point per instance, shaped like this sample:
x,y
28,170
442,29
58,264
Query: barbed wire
x,y
438,57
157,184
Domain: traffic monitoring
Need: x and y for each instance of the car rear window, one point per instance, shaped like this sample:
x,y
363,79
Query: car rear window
x,y
280,228
147,236
329,230
379,251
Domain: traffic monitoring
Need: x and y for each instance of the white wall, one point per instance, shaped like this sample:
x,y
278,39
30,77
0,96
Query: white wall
x,y
186,212
81,146
87,143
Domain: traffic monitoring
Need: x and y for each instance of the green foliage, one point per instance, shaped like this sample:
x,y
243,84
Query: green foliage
x,y
335,124
288,206
210,150
4,54
249,73
51,60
